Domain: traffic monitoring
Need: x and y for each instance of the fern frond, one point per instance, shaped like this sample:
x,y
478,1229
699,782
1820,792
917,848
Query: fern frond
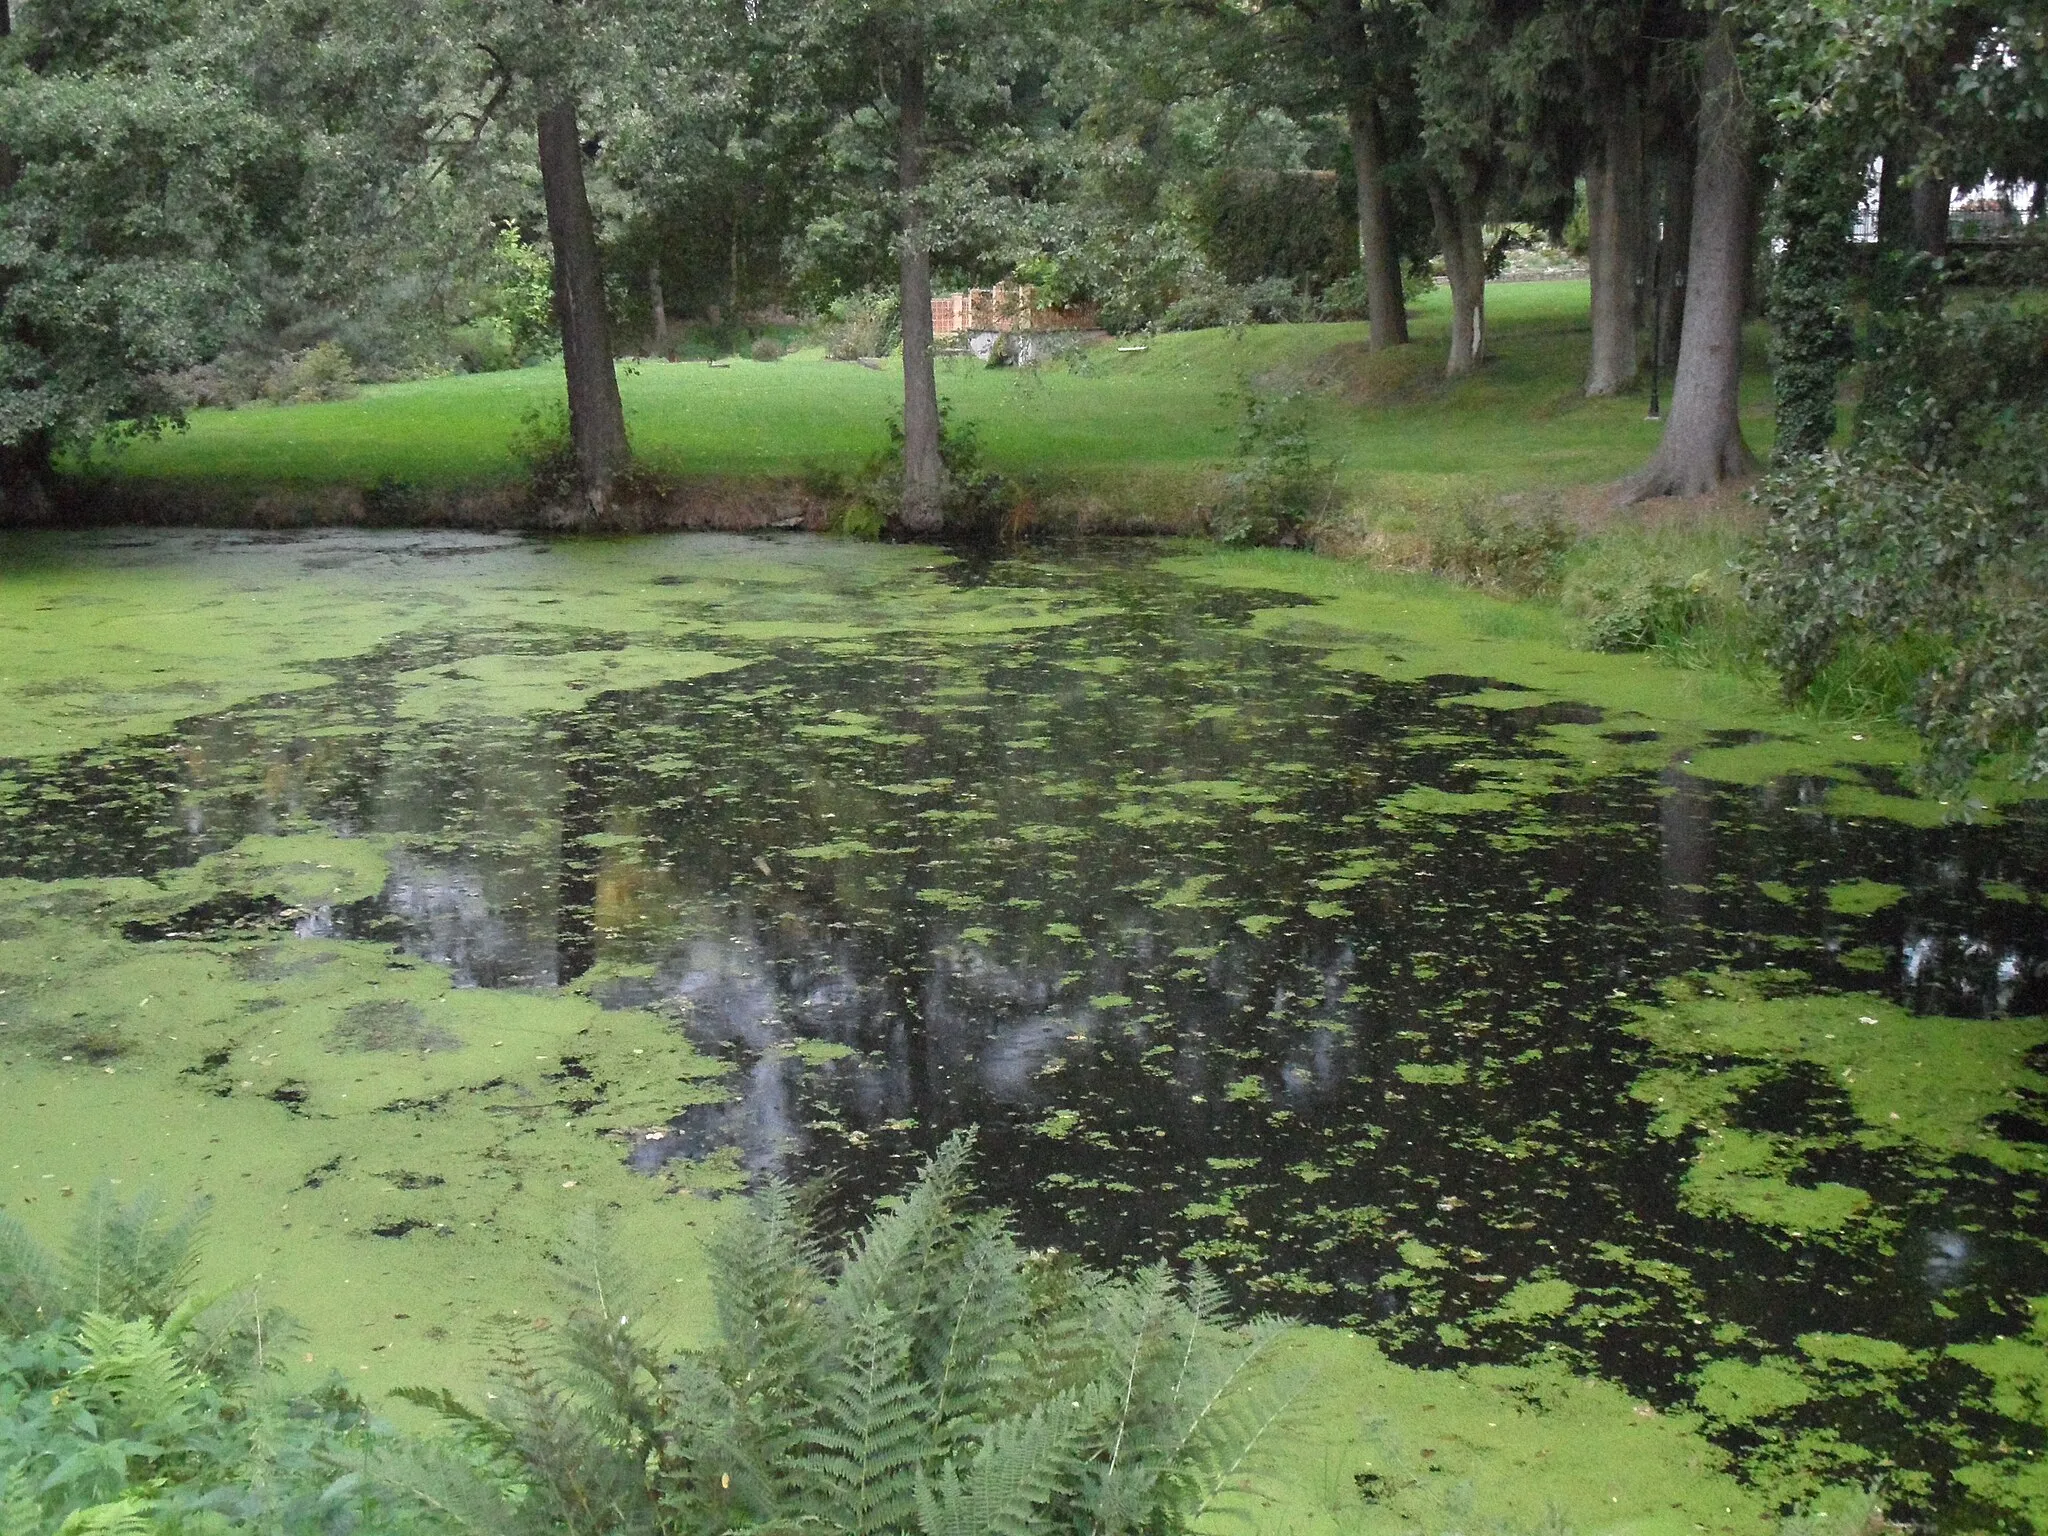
x,y
1020,1468
478,1429
872,1430
458,1492
20,1512
132,1260
893,1262
122,1517
969,1348
141,1381
30,1291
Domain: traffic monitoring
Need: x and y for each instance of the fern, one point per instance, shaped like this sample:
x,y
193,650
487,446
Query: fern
x,y
21,1513
29,1286
1016,1473
873,1429
121,1517
137,1380
132,1260
938,1379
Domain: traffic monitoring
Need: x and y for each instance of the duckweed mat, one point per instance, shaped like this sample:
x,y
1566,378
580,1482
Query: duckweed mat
x,y
1640,1088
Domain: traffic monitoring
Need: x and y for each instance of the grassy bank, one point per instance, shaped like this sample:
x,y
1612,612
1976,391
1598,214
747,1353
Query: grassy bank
x,y
1123,423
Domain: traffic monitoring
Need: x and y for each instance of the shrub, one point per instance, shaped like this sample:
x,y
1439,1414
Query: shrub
x,y
324,372
766,349
1646,615
933,1376
1930,533
976,503
1282,487
1523,556
546,454
862,325
128,1405
1270,301
521,297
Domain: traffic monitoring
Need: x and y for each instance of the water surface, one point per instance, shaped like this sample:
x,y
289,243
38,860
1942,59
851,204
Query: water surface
x,y
1441,1006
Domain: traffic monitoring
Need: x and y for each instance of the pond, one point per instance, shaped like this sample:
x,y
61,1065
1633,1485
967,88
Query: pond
x,y
1422,976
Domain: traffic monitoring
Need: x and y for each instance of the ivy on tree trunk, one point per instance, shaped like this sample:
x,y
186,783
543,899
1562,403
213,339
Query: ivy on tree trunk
x,y
597,420
1820,183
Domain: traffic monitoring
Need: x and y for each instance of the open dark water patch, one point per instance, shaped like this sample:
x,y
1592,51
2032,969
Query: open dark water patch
x,y
1342,986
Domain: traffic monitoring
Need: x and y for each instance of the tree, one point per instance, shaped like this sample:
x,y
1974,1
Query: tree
x,y
130,208
1464,121
1366,49
1616,75
597,417
919,101
1702,447
539,62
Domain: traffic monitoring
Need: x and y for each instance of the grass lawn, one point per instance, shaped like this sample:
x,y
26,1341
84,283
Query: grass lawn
x,y
1105,415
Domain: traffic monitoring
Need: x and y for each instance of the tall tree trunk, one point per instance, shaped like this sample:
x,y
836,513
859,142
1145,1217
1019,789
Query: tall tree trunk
x,y
660,308
597,420
924,472
1385,305
1677,248
1930,215
1702,447
1460,232
1614,210
1894,211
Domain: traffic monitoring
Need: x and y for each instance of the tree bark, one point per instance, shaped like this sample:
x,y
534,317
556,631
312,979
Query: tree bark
x,y
1702,446
1386,306
1930,215
1676,249
1894,216
660,310
1460,232
1614,210
597,420
924,472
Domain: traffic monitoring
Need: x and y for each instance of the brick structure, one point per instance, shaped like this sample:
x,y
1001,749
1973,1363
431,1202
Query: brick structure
x,y
1004,308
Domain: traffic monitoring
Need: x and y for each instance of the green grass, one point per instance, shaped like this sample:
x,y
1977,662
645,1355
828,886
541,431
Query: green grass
x,y
1107,415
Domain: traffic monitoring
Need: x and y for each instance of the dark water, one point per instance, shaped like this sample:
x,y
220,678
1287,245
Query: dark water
x,y
1166,934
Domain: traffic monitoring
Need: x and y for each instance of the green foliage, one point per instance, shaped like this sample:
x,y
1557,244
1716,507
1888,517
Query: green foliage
x,y
1286,224
1283,486
122,226
1265,301
1519,555
520,296
975,502
324,372
934,1376
766,349
1813,206
861,325
1650,615
546,454
1930,532
130,1405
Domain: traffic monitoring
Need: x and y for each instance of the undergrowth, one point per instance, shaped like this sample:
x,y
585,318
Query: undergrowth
x,y
131,1405
934,1376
